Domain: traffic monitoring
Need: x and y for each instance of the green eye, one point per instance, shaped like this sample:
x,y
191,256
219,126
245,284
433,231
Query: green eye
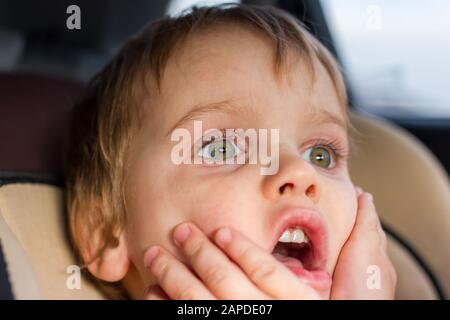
x,y
319,156
219,150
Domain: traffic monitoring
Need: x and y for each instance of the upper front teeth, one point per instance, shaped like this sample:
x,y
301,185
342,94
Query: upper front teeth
x,y
293,235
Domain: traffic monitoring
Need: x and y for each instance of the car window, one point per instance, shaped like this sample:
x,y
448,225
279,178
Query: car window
x,y
396,54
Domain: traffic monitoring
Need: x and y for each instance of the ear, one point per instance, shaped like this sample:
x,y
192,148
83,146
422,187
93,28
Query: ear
x,y
113,263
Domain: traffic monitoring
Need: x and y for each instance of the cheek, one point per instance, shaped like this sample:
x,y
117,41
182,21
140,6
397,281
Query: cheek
x,y
341,209
210,204
223,204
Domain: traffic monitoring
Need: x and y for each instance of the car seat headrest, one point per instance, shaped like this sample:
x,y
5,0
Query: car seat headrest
x,y
35,115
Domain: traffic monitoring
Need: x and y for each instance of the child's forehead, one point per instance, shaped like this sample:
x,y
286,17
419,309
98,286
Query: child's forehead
x,y
236,65
231,55
220,44
249,97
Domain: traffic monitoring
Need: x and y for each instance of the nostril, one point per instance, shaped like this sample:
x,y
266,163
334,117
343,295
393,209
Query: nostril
x,y
286,185
311,192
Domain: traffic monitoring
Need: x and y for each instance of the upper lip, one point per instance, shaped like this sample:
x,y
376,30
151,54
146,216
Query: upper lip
x,y
310,221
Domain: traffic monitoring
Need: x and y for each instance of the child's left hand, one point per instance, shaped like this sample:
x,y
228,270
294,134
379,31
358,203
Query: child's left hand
x,y
241,271
363,270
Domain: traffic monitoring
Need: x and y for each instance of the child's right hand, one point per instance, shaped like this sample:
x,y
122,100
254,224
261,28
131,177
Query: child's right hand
x,y
233,268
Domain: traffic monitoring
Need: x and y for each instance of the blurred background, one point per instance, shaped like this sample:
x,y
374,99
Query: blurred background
x,y
395,53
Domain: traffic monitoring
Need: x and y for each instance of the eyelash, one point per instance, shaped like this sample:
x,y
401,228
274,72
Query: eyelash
x,y
334,145
214,138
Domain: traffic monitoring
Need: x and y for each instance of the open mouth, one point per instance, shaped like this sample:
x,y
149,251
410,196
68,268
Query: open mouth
x,y
294,247
301,245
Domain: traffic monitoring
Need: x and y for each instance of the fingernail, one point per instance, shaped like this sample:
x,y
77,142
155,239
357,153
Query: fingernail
x,y
181,233
150,256
369,196
358,190
223,236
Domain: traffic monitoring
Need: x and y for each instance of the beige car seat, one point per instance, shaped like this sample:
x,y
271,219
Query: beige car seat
x,y
412,195
411,192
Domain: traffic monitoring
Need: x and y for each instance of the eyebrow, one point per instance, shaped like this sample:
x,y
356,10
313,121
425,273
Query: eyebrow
x,y
229,106
323,116
225,106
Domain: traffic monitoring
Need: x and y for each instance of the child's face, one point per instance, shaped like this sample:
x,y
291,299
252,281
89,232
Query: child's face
x,y
236,65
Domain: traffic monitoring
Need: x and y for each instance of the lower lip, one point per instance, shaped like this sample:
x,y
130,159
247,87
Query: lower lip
x,y
318,279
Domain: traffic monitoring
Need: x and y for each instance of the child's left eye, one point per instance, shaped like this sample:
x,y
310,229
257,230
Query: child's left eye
x,y
219,150
319,156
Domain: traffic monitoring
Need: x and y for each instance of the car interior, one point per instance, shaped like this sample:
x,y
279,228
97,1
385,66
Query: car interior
x,y
404,162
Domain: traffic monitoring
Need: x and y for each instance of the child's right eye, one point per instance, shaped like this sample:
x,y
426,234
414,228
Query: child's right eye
x,y
219,150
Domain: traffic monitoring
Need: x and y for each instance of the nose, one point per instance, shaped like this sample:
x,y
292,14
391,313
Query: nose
x,y
295,177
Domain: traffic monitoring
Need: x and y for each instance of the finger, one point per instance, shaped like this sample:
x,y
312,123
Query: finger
x,y
368,225
174,277
220,275
367,218
155,292
358,190
262,268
